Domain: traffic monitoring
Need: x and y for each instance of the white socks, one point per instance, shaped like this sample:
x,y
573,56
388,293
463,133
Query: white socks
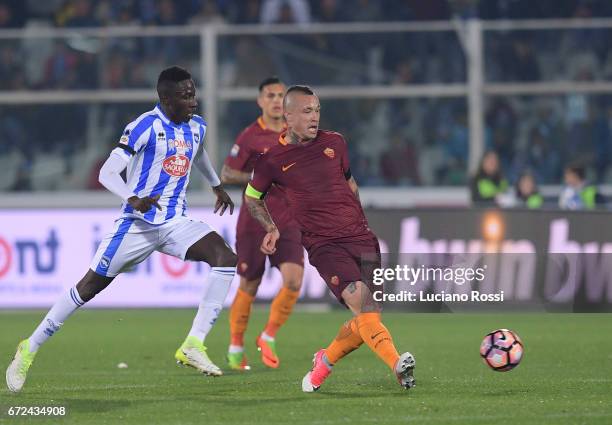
x,y
61,310
236,348
266,337
216,288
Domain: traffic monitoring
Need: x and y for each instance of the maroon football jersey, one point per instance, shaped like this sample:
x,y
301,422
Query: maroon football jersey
x,y
255,140
313,175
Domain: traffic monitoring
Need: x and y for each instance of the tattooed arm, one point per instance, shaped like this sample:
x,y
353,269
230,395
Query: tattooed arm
x,y
257,209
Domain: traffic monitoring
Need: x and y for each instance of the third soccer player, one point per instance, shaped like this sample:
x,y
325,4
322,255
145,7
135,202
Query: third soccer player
x,y
289,258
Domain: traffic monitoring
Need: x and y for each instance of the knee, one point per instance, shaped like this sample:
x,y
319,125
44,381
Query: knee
x,y
292,276
226,258
87,290
250,286
293,283
91,285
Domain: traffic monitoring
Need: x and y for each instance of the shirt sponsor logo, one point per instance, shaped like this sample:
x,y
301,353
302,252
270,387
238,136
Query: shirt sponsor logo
x,y
234,151
179,145
286,167
330,153
176,165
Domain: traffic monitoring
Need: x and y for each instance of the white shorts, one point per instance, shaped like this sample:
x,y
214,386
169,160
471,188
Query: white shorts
x,y
133,240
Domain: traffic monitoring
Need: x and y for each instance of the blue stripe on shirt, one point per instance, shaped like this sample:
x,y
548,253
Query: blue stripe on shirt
x,y
140,128
163,180
181,183
149,156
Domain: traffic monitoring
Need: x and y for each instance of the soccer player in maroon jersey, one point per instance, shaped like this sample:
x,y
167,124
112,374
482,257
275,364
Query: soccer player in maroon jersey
x,y
312,167
289,257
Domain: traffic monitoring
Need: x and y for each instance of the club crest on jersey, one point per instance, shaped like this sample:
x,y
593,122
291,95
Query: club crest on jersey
x,y
176,165
330,153
234,151
196,138
104,262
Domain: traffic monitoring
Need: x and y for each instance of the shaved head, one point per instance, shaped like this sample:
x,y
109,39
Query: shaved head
x,y
302,112
291,91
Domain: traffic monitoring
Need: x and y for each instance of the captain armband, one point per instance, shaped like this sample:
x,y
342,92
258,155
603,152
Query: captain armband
x,y
251,192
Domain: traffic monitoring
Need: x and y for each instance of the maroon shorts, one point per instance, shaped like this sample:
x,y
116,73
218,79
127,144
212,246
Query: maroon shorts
x,y
252,262
341,262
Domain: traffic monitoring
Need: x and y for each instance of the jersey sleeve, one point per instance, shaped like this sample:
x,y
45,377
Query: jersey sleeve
x,y
263,177
135,136
202,129
240,152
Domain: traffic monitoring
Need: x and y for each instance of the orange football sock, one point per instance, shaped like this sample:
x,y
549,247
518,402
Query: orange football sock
x,y
378,338
239,316
281,308
347,340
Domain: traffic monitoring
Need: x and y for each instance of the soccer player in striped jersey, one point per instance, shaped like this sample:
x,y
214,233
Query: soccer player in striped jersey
x,y
254,140
312,166
158,149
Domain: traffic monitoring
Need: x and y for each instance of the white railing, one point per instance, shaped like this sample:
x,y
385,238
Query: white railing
x,y
470,34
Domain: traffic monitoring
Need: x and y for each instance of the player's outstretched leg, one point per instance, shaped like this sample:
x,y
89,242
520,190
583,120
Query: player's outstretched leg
x,y
193,351
280,310
213,250
238,320
67,304
347,341
359,299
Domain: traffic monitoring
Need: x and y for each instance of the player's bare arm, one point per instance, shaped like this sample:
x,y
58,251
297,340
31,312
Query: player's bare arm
x,y
223,200
205,167
258,210
354,188
230,175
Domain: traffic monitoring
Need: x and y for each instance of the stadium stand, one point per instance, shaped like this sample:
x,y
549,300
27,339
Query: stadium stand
x,y
406,142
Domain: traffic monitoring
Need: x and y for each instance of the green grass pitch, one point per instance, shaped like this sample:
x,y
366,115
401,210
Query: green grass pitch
x,y
565,376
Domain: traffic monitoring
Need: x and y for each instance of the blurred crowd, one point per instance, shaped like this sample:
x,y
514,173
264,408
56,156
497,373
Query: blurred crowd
x,y
89,13
489,187
403,142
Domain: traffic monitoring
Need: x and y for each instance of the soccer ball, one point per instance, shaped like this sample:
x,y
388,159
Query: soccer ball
x,y
502,350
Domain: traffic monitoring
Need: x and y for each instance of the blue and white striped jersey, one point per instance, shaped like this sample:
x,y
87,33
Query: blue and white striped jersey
x,y
160,157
